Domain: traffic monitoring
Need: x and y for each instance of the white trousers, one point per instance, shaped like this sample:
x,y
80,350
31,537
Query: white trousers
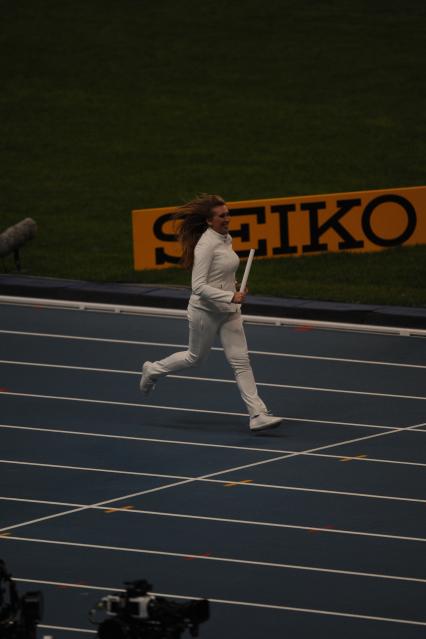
x,y
203,327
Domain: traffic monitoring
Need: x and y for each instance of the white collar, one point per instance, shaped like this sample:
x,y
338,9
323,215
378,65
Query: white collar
x,y
225,238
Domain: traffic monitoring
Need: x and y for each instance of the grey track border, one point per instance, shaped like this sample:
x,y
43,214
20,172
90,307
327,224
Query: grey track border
x,y
177,297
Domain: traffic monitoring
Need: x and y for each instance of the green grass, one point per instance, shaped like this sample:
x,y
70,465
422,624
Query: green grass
x,y
109,106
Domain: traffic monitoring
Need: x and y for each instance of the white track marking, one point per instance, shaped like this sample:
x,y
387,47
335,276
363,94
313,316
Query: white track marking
x,y
297,387
289,419
112,471
66,629
154,440
185,479
217,481
213,380
343,360
215,348
224,520
249,604
173,442
220,559
130,404
208,476
107,340
180,409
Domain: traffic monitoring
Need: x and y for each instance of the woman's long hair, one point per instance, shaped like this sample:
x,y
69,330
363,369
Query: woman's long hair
x,y
191,222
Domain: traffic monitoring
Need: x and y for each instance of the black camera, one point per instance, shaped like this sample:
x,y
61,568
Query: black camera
x,y
19,616
135,614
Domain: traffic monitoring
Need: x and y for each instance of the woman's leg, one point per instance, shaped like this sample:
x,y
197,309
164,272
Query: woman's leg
x,y
202,330
235,346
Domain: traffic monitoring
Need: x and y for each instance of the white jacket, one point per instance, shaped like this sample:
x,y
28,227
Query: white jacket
x,y
213,273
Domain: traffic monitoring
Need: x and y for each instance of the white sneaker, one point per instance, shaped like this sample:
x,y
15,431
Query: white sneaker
x,y
147,383
264,421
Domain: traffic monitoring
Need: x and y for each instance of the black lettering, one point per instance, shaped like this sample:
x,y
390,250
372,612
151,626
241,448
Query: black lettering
x,y
244,231
158,228
258,211
283,210
395,241
349,242
161,257
261,250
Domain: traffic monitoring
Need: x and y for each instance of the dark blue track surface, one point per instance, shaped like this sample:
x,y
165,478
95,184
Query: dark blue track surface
x,y
316,528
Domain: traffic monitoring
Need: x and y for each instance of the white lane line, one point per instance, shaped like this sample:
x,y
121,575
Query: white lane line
x,y
297,387
288,419
224,520
222,446
249,604
213,379
96,339
152,440
228,446
112,471
208,476
413,428
216,348
180,409
67,629
220,559
343,360
130,404
184,479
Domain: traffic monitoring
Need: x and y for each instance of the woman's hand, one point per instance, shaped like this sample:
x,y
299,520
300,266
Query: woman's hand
x,y
239,296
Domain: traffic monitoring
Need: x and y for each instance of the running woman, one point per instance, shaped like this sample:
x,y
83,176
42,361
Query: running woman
x,y
214,306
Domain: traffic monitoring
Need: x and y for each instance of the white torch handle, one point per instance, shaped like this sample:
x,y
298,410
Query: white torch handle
x,y
247,271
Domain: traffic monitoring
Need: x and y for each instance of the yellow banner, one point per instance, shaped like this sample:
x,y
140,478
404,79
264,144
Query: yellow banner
x,y
358,221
